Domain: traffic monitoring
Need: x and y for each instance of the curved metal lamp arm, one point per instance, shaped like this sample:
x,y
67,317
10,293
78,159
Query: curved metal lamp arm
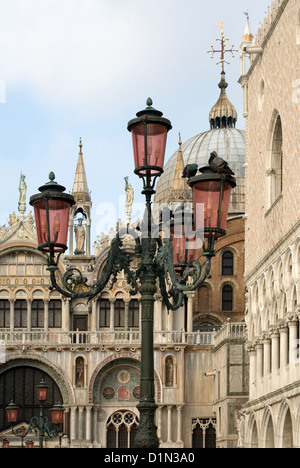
x,y
164,258
118,260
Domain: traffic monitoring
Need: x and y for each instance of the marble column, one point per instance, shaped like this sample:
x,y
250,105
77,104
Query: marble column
x,y
275,350
283,346
190,296
179,423
73,423
259,361
81,424
89,423
12,315
169,423
293,339
29,304
46,315
112,315
267,355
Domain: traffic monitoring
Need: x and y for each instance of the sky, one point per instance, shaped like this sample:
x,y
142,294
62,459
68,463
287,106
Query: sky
x,y
72,69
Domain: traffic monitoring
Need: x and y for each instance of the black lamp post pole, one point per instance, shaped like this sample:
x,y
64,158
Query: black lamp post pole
x,y
146,436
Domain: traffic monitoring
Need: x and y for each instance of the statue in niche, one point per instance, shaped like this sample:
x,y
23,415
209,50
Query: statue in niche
x,y
169,372
22,190
80,238
79,373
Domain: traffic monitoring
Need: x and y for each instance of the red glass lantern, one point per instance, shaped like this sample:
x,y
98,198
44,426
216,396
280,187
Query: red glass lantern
x,y
57,414
42,391
5,444
12,413
149,136
184,241
52,209
29,444
211,197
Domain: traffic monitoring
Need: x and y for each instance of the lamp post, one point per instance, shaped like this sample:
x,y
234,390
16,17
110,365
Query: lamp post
x,y
38,425
170,259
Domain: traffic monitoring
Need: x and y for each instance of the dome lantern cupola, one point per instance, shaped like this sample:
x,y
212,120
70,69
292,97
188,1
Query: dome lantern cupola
x,y
223,114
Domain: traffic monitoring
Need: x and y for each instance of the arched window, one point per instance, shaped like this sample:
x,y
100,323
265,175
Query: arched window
x,y
121,430
134,314
227,298
4,313
276,161
227,263
55,313
119,313
104,313
37,314
204,433
19,385
21,313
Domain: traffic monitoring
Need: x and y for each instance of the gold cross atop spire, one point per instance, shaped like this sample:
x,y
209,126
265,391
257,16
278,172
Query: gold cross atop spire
x,y
223,41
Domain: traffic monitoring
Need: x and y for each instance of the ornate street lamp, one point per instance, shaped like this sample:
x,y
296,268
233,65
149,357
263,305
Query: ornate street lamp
x,y
5,444
170,258
38,425
42,391
51,210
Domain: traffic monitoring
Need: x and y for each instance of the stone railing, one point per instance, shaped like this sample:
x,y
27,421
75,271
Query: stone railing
x,y
105,338
230,331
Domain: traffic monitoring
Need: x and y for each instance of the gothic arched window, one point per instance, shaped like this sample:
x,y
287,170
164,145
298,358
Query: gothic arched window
x,y
4,313
121,430
55,313
227,263
204,433
276,161
19,385
37,314
104,313
134,314
119,313
227,298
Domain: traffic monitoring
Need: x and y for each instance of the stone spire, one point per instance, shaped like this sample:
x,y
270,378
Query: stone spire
x,y
80,213
80,188
247,37
223,114
180,190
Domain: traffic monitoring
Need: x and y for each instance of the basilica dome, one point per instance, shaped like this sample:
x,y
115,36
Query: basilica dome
x,y
225,139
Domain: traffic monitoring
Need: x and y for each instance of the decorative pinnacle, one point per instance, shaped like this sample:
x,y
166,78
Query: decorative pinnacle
x,y
149,102
223,41
51,176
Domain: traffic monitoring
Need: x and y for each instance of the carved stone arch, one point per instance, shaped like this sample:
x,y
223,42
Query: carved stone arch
x,y
286,423
287,262
255,299
268,428
121,359
206,322
45,365
262,292
270,278
278,277
252,433
6,293
296,259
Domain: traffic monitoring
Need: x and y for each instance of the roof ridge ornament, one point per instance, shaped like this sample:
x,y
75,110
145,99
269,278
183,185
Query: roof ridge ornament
x,y
223,114
223,51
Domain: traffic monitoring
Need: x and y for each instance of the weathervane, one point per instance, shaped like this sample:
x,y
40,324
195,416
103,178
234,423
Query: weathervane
x,y
223,41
